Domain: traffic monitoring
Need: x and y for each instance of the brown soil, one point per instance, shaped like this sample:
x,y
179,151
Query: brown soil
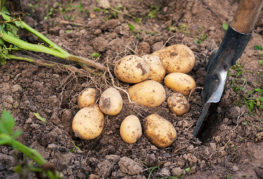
x,y
235,148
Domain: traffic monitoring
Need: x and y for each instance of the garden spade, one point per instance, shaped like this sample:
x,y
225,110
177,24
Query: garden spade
x,y
231,48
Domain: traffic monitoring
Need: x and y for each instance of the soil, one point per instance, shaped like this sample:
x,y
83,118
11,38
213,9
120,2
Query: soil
x,y
110,28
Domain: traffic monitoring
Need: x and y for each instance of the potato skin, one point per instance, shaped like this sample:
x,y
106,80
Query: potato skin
x,y
87,97
131,129
111,101
157,71
148,93
88,122
178,104
132,69
160,131
180,82
177,58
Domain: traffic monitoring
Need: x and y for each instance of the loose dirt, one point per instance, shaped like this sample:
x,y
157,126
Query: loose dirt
x,y
85,27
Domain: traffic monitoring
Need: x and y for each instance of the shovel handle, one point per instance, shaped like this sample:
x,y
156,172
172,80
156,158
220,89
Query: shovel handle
x,y
247,15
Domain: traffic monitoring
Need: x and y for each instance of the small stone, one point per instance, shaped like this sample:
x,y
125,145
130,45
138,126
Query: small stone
x,y
143,48
213,146
129,166
217,139
164,172
212,28
177,171
104,4
157,46
16,88
153,147
235,168
93,176
8,99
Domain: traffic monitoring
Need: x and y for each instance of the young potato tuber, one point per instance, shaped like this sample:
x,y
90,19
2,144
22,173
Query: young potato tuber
x,y
88,123
87,97
131,129
132,69
178,104
180,82
111,101
160,131
148,93
157,70
176,58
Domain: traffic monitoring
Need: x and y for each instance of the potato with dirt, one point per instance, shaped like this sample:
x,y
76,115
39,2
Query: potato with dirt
x,y
148,93
157,70
176,58
160,131
132,69
111,102
178,104
88,123
87,97
180,82
131,129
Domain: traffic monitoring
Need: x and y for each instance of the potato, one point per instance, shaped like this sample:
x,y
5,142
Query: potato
x,y
88,123
180,82
178,104
87,97
132,69
177,58
160,131
157,70
111,102
148,93
131,129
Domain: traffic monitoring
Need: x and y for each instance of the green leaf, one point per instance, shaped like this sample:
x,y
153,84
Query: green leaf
x,y
188,169
261,99
258,47
17,134
260,62
95,55
40,117
7,123
131,27
225,26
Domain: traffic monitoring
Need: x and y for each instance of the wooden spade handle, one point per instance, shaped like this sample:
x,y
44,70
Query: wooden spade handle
x,y
247,15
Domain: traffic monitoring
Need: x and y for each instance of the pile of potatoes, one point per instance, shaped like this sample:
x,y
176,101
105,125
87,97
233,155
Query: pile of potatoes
x,y
147,74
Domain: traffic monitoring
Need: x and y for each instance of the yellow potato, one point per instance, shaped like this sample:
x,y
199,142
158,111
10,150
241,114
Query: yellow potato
x,y
180,82
132,69
160,131
176,58
148,93
178,104
157,70
88,123
131,129
111,101
87,97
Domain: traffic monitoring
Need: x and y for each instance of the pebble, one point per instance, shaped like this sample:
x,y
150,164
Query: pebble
x,y
177,171
104,4
93,176
235,168
153,147
129,166
16,88
157,46
213,146
164,172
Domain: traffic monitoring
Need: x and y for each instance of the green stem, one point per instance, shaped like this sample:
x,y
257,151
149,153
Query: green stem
x,y
37,34
32,47
38,62
42,37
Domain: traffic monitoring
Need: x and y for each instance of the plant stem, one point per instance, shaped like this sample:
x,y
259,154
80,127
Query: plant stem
x,y
32,47
86,61
38,62
42,37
